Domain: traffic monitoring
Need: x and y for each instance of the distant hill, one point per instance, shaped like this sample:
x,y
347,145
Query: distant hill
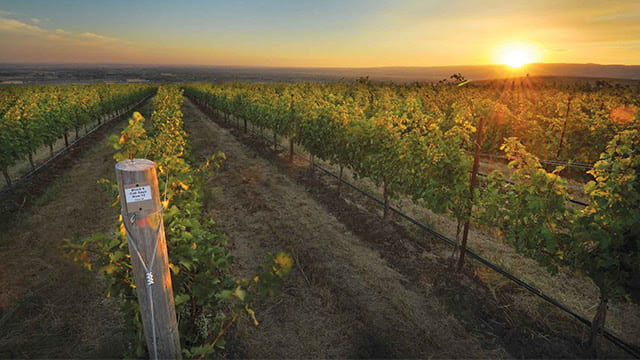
x,y
91,73
483,72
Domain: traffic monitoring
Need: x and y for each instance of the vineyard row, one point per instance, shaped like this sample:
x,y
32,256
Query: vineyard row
x,y
428,162
207,299
472,254
36,116
103,121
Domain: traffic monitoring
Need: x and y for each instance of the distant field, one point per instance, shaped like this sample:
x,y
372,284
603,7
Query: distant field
x,y
87,74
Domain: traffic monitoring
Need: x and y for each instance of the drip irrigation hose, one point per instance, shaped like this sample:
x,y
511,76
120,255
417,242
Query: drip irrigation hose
x,y
606,333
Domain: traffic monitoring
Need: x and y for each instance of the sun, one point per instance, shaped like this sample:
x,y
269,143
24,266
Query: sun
x,y
516,55
516,58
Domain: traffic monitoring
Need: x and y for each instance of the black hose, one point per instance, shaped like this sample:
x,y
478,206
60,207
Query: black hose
x,y
608,335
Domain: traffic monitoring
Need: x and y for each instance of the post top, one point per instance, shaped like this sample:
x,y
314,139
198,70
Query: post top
x,y
135,165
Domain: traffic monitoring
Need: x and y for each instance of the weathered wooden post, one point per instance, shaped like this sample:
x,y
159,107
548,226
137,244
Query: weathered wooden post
x,y
472,185
142,217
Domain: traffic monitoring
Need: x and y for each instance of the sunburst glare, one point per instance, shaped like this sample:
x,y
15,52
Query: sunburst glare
x,y
516,55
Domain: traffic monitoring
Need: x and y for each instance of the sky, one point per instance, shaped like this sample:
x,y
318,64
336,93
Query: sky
x,y
325,33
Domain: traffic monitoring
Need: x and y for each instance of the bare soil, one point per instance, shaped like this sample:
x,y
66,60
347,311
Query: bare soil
x,y
51,307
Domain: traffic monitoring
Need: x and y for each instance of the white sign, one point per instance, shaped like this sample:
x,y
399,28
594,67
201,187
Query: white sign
x,y
136,194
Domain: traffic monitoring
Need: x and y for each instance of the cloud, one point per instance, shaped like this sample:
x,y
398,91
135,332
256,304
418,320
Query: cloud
x,y
618,17
23,41
98,38
36,20
16,26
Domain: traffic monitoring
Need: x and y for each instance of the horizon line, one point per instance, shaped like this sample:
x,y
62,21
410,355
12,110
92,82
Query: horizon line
x,y
292,66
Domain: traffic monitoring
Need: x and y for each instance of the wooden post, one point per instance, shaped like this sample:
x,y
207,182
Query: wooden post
x,y
7,178
142,215
290,149
472,185
33,166
312,164
564,127
340,179
275,140
385,197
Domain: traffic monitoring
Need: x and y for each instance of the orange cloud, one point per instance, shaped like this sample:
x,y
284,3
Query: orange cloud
x,y
16,26
26,42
